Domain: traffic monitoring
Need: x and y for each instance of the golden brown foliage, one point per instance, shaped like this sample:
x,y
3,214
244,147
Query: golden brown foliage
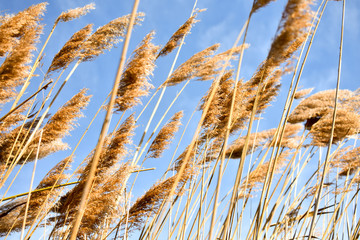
x,y
176,38
13,28
12,214
217,115
347,123
14,68
134,81
302,93
75,13
54,130
106,186
71,50
106,36
165,136
317,105
192,67
347,160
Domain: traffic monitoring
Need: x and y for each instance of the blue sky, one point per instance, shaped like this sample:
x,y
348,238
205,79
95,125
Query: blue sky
x,y
219,24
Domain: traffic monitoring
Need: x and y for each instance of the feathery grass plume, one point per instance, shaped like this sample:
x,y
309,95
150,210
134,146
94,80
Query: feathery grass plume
x,y
191,163
116,149
14,68
54,130
312,108
346,124
291,34
63,121
106,36
71,50
347,160
149,203
189,69
14,27
213,65
12,213
302,93
292,29
216,117
264,138
113,152
134,81
105,203
175,39
259,4
164,137
13,119
72,14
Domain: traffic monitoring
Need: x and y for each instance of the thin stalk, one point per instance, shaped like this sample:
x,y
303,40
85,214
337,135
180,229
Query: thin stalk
x,y
227,133
31,184
312,226
104,128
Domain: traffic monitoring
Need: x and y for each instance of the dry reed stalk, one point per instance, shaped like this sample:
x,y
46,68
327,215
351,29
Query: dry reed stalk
x,y
164,137
104,128
332,131
291,34
134,81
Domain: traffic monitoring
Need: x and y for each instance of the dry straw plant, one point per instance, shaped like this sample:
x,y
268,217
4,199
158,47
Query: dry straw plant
x,y
258,156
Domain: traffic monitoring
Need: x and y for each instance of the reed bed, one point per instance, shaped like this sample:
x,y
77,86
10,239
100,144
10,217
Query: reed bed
x,y
257,157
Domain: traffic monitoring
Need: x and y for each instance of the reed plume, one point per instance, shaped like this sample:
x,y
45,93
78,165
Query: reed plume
x,y
175,39
54,130
12,213
257,177
149,203
14,27
259,4
106,36
106,177
71,50
216,117
346,124
134,81
75,13
348,161
189,69
15,66
165,136
312,108
302,93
